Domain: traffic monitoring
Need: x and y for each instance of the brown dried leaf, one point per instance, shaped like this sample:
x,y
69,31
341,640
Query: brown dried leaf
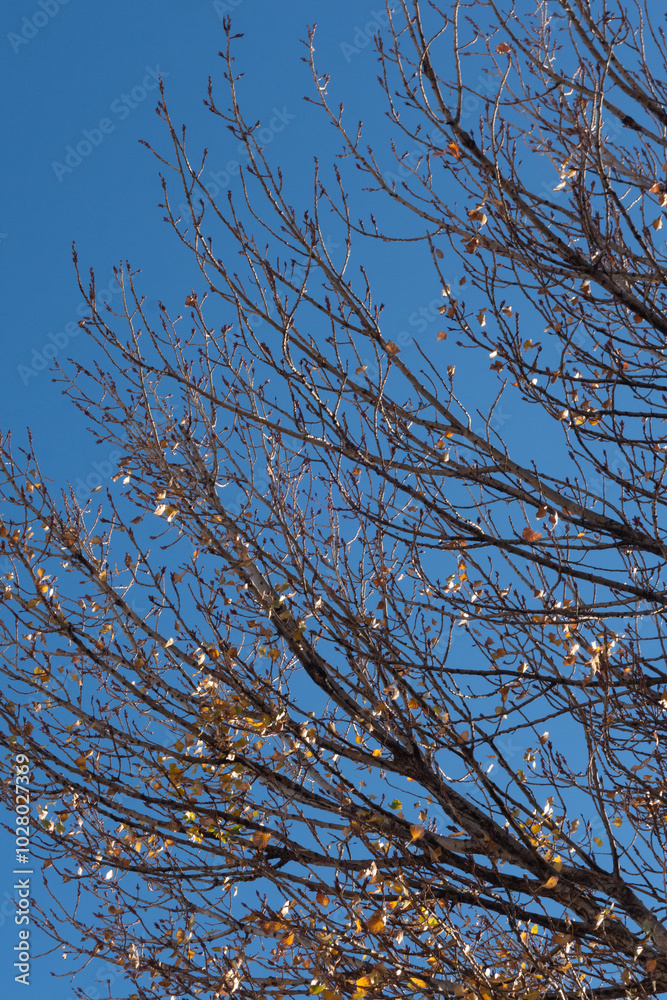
x,y
529,535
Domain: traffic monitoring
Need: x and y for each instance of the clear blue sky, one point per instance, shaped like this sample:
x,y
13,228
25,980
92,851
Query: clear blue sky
x,y
79,85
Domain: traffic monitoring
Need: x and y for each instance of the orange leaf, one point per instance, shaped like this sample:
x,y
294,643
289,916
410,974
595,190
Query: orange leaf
x,y
391,347
454,150
441,335
503,48
529,535
261,839
322,899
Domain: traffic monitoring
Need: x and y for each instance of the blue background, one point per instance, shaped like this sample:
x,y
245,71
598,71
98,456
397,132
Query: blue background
x,y
77,82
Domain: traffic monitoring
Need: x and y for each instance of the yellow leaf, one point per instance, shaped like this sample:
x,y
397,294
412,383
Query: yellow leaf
x,y
550,883
364,982
417,982
375,924
417,832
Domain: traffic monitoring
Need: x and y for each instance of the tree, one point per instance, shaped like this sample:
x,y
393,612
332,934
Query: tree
x,y
392,719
